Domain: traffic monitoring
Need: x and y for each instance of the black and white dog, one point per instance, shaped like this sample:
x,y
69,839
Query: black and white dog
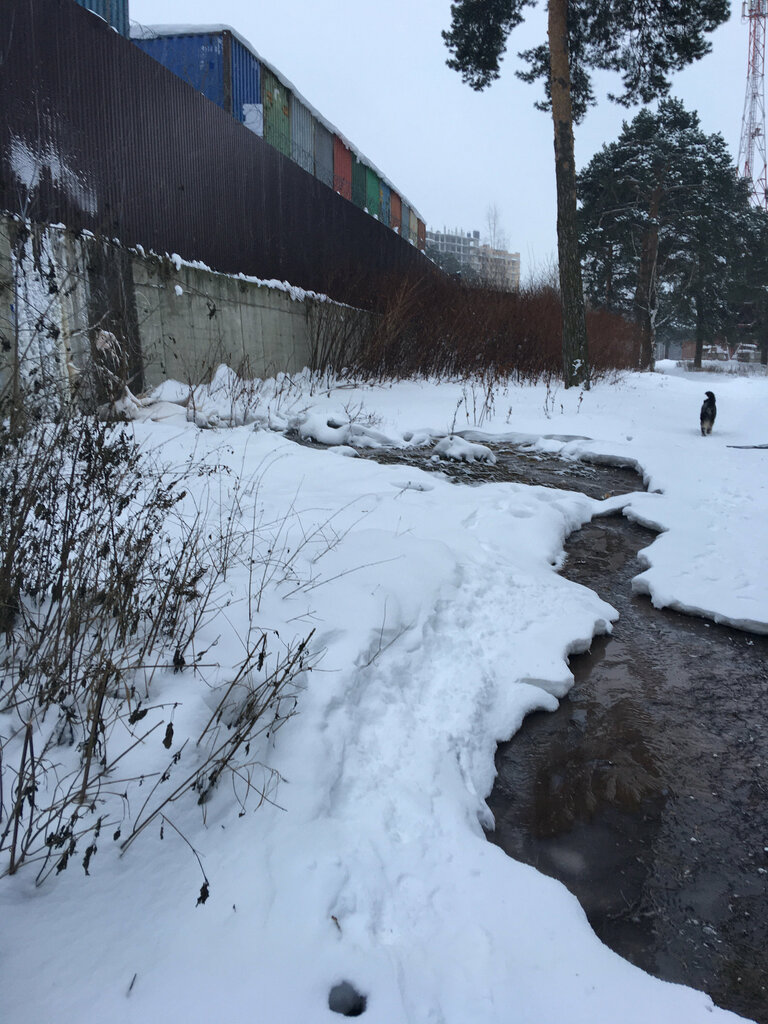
x,y
708,413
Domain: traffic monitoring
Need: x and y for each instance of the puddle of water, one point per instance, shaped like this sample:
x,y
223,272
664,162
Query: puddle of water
x,y
646,791
517,465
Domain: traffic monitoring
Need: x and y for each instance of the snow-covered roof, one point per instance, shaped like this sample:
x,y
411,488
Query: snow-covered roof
x,y
156,31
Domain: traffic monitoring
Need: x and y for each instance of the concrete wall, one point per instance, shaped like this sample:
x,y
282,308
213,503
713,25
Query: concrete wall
x,y
61,294
191,320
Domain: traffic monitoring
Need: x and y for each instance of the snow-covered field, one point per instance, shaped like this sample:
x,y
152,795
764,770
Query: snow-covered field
x,y
440,622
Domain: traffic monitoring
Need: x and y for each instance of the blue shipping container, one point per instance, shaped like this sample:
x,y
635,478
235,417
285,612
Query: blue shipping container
x,y
229,74
246,88
218,66
114,12
198,59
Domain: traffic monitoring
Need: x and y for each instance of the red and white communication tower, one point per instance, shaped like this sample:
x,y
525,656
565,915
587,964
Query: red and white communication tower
x,y
752,153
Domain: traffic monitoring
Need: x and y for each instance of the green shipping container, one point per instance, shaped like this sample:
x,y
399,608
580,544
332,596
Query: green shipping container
x,y
277,112
358,183
372,196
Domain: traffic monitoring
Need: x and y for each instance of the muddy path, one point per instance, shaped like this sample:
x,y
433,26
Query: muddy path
x,y
646,792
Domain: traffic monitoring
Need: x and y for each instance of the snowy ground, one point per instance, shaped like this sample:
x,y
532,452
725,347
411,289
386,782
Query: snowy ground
x,y
440,623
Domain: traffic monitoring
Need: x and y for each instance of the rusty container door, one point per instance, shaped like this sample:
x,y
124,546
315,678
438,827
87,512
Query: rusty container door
x,y
395,212
342,168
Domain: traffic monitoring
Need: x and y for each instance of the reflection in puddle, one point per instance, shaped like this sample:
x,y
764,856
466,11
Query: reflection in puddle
x,y
645,792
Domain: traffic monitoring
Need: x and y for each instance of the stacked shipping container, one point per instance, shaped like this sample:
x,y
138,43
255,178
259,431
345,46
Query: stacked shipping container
x,y
323,154
342,168
154,163
302,135
225,68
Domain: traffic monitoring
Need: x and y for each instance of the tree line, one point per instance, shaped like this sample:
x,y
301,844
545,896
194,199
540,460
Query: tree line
x,y
669,236
675,243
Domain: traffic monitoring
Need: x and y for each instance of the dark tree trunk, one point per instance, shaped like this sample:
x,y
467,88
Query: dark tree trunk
x,y
645,294
700,332
575,355
609,279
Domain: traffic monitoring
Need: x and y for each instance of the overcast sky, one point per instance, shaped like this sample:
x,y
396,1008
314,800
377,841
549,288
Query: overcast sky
x,y
377,71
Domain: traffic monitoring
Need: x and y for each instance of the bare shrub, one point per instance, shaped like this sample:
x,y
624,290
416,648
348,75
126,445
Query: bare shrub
x,y
436,326
104,585
337,333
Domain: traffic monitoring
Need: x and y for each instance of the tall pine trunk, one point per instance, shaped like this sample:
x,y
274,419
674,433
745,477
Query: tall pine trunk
x,y
646,299
701,330
575,355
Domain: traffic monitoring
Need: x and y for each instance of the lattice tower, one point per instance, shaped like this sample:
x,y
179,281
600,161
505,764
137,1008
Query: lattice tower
x,y
752,150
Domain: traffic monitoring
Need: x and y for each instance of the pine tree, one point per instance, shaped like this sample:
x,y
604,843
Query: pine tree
x,y
666,227
643,42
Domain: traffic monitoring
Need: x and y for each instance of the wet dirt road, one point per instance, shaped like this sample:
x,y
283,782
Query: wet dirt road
x,y
646,792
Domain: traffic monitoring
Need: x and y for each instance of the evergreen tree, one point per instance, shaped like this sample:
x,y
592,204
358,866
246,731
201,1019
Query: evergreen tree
x,y
750,292
667,231
643,42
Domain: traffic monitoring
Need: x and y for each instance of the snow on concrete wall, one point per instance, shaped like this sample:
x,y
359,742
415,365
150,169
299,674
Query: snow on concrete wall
x,y
61,292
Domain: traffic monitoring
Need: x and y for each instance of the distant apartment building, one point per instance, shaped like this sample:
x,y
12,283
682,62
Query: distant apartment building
x,y
499,267
455,251
461,252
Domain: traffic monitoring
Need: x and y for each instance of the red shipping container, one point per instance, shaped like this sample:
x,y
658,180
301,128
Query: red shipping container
x,y
395,212
342,168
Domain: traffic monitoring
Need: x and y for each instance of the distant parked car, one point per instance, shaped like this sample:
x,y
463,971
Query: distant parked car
x,y
748,354
715,352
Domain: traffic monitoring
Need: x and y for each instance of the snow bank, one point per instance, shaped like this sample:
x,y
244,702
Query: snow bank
x,y
453,447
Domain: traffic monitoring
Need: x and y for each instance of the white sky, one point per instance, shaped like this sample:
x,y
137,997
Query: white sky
x,y
377,71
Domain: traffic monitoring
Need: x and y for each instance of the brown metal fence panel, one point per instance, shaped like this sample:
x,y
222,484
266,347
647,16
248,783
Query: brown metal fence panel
x,y
99,136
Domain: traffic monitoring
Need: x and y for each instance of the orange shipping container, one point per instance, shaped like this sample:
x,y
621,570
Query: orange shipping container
x,y
421,235
395,212
342,168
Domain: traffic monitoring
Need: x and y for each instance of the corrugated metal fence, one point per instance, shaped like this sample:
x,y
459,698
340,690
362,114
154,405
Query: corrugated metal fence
x,y
98,135
114,12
